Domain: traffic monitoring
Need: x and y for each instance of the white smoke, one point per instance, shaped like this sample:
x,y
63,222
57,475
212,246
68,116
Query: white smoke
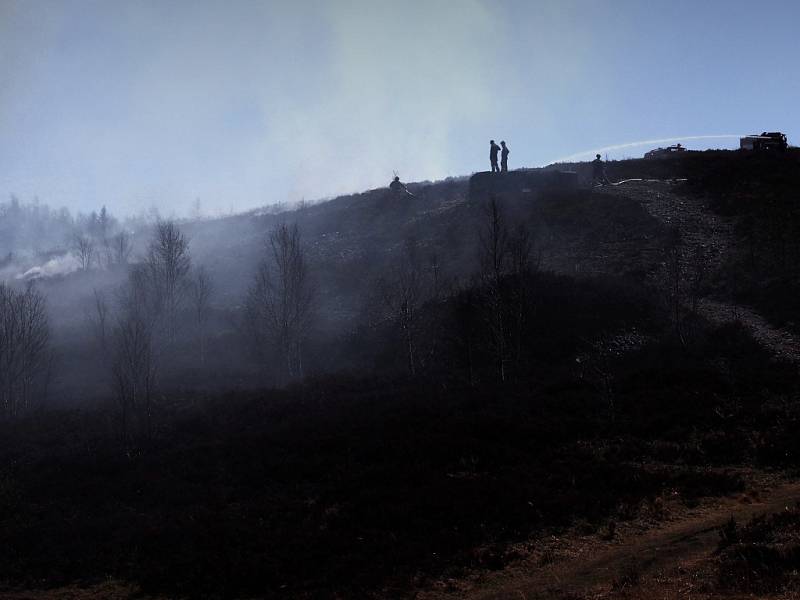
x,y
245,106
60,265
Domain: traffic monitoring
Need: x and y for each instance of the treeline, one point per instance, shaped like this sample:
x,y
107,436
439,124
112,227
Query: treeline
x,y
178,322
100,241
25,360
171,326
33,231
157,321
35,227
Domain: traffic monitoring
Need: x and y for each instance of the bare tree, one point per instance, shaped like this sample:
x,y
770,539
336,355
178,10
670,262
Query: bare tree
x,y
494,263
99,319
201,288
494,241
279,303
522,265
168,265
436,275
521,251
83,249
402,294
121,248
103,227
133,356
24,340
467,326
103,224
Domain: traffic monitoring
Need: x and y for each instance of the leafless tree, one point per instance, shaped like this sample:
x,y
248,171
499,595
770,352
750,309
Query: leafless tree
x,y
466,331
494,241
103,226
83,249
521,251
24,340
436,276
495,263
168,266
133,356
121,248
279,303
402,292
98,318
522,266
200,290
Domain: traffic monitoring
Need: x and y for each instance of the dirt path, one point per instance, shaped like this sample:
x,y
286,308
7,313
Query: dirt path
x,y
698,226
783,344
594,566
109,590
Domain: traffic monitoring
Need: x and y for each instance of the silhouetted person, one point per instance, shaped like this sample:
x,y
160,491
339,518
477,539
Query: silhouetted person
x,y
398,188
504,157
599,171
493,150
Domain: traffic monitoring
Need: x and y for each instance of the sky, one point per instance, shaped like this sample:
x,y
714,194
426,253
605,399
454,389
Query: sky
x,y
239,104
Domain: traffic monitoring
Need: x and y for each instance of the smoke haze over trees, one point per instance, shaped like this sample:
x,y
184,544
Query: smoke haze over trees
x,y
235,298
461,342
237,362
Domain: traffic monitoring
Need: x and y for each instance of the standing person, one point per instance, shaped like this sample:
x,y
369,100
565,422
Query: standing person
x,y
504,157
599,171
493,150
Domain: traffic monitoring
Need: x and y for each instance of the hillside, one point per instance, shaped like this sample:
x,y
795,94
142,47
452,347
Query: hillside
x,y
361,232
621,379
352,243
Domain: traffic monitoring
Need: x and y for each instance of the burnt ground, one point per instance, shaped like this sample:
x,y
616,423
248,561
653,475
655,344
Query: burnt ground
x,y
705,235
678,554
647,402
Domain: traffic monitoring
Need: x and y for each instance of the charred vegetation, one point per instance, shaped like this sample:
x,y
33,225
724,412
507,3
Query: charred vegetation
x,y
362,396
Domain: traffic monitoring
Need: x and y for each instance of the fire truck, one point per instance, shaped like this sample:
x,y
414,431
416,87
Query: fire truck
x,y
774,140
663,152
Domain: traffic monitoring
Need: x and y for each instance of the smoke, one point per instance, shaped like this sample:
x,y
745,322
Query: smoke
x,y
247,104
383,108
164,103
585,154
60,265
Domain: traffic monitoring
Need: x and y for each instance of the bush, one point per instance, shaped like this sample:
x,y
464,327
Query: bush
x,y
763,556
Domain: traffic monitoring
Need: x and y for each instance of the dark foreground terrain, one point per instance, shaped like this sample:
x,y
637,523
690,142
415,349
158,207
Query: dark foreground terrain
x,y
644,388
294,493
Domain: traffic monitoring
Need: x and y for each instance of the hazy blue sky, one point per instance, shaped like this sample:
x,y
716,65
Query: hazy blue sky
x,y
244,103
